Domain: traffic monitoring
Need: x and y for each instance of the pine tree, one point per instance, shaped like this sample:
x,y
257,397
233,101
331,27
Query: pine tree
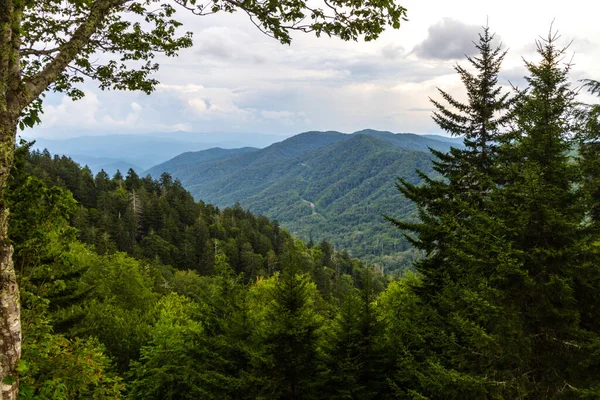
x,y
290,336
446,205
511,273
463,328
353,368
589,151
553,283
480,120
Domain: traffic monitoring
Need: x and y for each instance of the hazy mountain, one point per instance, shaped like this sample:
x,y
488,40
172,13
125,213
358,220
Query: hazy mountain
x,y
150,149
319,185
109,165
457,141
195,157
413,141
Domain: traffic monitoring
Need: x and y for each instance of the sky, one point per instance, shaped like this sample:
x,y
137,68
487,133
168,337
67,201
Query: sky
x,y
235,79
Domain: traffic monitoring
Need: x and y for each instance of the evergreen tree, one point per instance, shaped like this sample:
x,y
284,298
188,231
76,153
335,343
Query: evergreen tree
x,y
589,151
353,367
509,273
456,235
480,120
553,281
446,206
290,336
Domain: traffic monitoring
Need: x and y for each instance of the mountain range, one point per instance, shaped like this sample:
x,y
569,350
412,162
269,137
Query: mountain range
x,y
319,185
140,152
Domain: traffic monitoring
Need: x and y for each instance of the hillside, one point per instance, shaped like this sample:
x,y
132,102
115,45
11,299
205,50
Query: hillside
x,y
319,185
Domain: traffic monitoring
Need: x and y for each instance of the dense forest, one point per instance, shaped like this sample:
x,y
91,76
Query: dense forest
x,y
117,271
130,288
320,186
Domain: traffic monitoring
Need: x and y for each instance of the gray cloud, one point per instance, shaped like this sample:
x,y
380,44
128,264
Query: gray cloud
x,y
392,52
237,79
421,109
448,39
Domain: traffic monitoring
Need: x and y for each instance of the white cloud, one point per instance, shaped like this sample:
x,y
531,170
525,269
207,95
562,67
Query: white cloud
x,y
277,114
130,121
235,78
69,113
448,39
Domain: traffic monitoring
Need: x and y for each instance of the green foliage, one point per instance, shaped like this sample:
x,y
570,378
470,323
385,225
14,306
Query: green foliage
x,y
289,333
131,276
504,291
55,367
347,178
171,331
167,368
353,367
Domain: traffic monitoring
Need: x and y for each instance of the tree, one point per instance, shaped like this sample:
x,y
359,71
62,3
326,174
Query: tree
x,y
510,277
554,283
480,120
167,368
446,206
353,367
589,151
51,45
457,236
289,333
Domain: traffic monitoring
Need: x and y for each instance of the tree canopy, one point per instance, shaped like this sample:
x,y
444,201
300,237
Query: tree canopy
x,y
56,45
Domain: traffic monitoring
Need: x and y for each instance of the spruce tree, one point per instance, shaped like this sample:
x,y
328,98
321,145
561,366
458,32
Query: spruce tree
x,y
352,365
446,204
290,336
589,152
510,278
553,279
463,328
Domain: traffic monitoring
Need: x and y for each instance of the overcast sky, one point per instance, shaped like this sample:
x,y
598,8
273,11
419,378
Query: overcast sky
x,y
235,79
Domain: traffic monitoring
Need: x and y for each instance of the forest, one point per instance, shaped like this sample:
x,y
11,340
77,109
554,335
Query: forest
x,y
349,178
130,288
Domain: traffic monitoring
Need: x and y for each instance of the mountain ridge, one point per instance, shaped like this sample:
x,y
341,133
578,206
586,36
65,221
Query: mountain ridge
x,y
321,185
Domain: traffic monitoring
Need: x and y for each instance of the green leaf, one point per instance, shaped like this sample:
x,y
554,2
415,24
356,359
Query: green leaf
x,y
22,367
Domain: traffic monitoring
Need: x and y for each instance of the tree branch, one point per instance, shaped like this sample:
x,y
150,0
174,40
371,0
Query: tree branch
x,y
69,51
39,52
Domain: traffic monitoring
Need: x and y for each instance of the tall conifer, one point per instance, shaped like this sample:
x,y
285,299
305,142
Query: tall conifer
x,y
553,279
510,274
457,236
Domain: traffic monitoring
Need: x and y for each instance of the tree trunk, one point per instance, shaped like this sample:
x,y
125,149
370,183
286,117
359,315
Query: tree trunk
x,y
10,307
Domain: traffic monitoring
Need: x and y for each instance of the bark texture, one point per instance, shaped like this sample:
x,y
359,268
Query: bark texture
x,y
10,305
10,316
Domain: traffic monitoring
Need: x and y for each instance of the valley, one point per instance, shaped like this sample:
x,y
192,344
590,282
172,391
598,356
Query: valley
x,y
320,186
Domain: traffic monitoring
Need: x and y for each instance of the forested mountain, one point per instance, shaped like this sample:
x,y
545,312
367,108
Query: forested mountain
x,y
130,288
319,185
117,270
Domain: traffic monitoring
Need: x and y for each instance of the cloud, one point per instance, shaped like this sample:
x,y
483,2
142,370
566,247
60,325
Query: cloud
x,y
237,79
71,113
447,40
392,52
277,114
421,109
225,45
130,120
209,103
102,112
